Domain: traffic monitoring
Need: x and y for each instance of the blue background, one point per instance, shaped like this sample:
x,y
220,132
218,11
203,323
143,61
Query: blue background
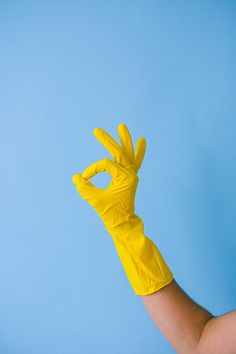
x,y
166,69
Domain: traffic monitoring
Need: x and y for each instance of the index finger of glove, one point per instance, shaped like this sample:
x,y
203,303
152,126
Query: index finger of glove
x,y
111,145
84,187
105,165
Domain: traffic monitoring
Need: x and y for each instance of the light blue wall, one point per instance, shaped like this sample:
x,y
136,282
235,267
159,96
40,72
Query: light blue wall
x,y
166,69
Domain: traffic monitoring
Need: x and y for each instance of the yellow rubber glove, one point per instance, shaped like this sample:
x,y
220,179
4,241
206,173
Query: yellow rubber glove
x,y
143,263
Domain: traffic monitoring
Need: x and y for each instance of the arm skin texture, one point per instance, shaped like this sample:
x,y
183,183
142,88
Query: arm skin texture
x,y
188,327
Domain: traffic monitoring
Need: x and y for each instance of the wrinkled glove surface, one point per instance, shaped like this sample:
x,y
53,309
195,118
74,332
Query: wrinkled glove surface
x,y
143,263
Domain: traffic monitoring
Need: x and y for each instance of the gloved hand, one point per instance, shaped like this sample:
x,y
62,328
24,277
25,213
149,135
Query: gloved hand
x,y
143,263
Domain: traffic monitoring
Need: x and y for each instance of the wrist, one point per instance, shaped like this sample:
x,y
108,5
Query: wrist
x,y
128,230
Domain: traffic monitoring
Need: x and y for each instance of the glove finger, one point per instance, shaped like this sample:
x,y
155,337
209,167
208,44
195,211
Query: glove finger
x,y
111,145
83,186
104,165
126,142
140,152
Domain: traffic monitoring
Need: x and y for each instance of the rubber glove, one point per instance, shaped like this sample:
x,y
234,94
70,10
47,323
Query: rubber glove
x,y
143,263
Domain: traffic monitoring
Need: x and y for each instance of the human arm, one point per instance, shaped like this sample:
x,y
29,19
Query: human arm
x,y
177,316
219,335
189,327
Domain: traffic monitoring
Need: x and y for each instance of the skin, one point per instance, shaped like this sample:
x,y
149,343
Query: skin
x,y
188,327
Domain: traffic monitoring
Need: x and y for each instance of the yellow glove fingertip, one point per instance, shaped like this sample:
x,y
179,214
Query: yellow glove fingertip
x,y
97,132
76,179
121,126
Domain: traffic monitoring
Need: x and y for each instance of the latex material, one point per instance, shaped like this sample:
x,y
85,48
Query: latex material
x,y
143,263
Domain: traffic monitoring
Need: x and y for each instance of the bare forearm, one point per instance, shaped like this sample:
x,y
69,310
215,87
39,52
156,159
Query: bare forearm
x,y
178,317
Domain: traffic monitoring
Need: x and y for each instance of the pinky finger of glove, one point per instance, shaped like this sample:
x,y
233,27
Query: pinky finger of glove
x,y
140,151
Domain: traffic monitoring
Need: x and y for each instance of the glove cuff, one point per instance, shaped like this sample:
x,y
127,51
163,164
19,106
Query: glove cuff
x,y
143,263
